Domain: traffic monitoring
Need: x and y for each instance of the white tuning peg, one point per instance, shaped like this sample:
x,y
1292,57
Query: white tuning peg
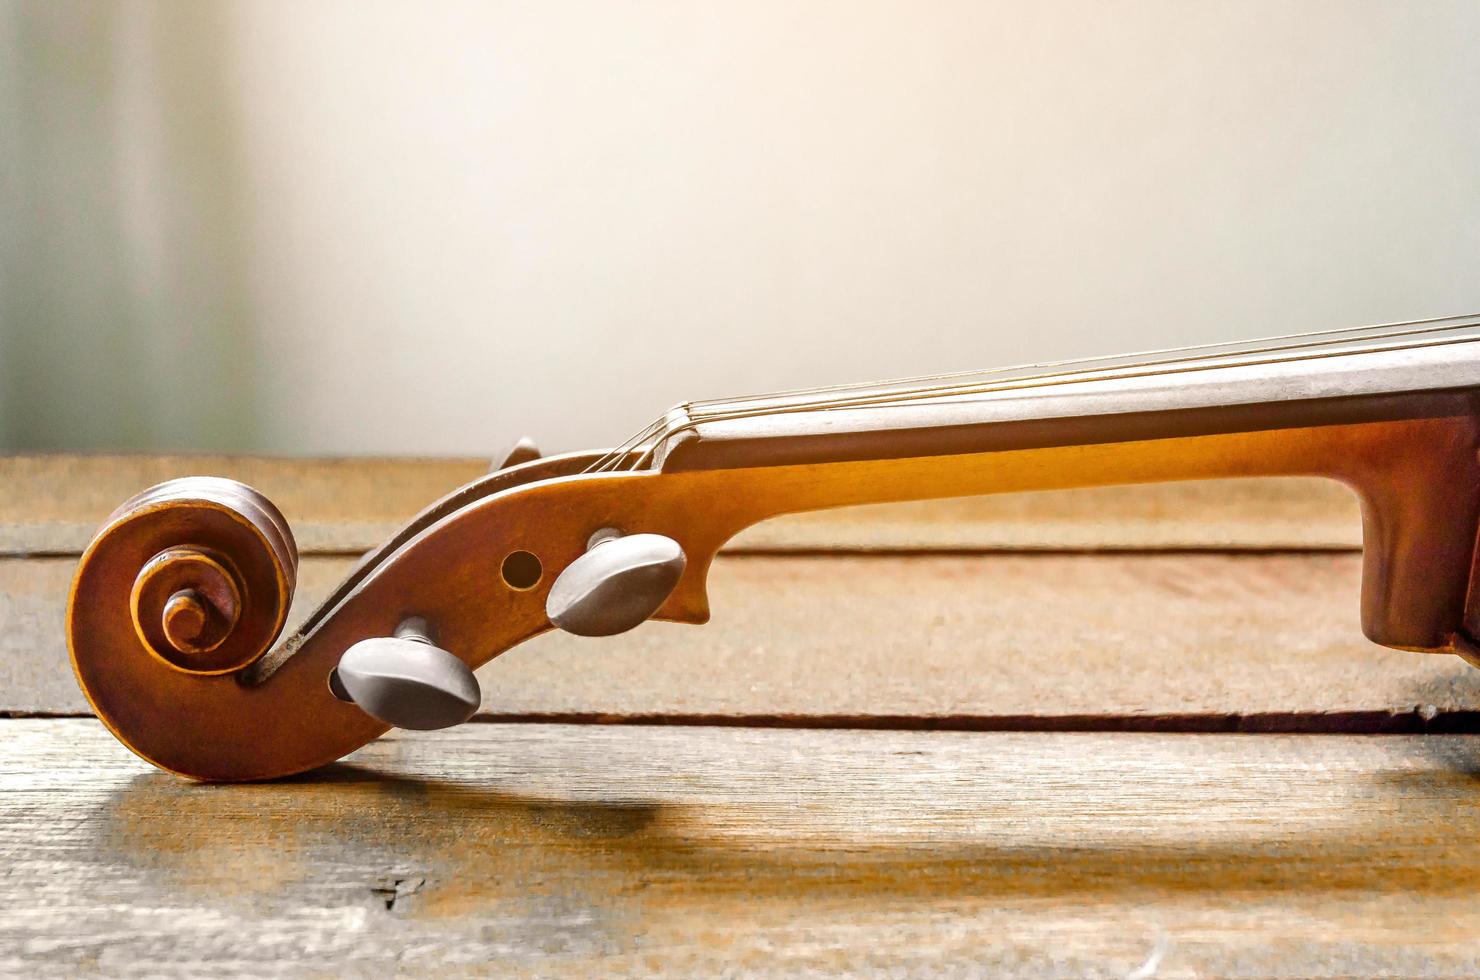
x,y
406,680
617,584
522,451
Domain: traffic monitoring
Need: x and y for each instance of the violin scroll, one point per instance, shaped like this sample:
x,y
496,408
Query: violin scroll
x,y
207,567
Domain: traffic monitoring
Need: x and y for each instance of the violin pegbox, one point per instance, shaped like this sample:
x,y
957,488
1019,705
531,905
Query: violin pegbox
x,y
177,606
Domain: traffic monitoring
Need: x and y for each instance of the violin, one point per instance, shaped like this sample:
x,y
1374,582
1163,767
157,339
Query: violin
x,y
177,603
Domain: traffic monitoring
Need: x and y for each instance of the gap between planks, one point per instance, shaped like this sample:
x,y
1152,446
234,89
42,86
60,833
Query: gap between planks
x,y
1421,720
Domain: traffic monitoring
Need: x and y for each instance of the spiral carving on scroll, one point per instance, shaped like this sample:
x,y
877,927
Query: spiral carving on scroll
x,y
199,570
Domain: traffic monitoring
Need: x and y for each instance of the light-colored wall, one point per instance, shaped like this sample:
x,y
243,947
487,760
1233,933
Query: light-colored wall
x,y
350,226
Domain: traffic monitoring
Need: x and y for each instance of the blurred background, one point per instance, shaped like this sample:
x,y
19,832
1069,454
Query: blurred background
x,y
388,227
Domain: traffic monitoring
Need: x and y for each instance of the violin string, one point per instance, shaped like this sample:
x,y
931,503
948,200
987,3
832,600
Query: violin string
x,y
887,397
1084,365
612,457
1105,367
965,397
902,391
1141,357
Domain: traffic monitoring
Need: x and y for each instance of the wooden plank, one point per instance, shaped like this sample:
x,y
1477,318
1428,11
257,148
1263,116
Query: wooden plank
x,y
979,641
588,851
52,505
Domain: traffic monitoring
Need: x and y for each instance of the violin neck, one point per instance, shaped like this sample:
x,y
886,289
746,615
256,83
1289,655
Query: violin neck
x,y
1327,385
1398,424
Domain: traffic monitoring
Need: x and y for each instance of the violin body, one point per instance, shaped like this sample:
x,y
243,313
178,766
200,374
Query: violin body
x,y
178,602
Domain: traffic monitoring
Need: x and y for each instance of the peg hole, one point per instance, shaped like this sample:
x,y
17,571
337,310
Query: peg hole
x,y
336,687
522,571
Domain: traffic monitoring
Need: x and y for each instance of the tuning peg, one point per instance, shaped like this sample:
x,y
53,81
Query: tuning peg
x,y
522,451
406,680
617,584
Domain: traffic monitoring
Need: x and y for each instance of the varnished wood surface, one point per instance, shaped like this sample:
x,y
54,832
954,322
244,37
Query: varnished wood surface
x,y
1412,459
585,851
53,504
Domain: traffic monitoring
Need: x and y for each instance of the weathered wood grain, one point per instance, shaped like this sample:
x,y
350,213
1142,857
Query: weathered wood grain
x,y
978,641
579,850
52,505
620,850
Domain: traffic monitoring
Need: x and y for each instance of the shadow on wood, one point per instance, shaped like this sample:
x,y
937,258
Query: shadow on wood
x,y
471,844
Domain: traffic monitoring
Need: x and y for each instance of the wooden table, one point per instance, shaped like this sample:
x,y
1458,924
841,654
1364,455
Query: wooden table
x,y
1113,733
